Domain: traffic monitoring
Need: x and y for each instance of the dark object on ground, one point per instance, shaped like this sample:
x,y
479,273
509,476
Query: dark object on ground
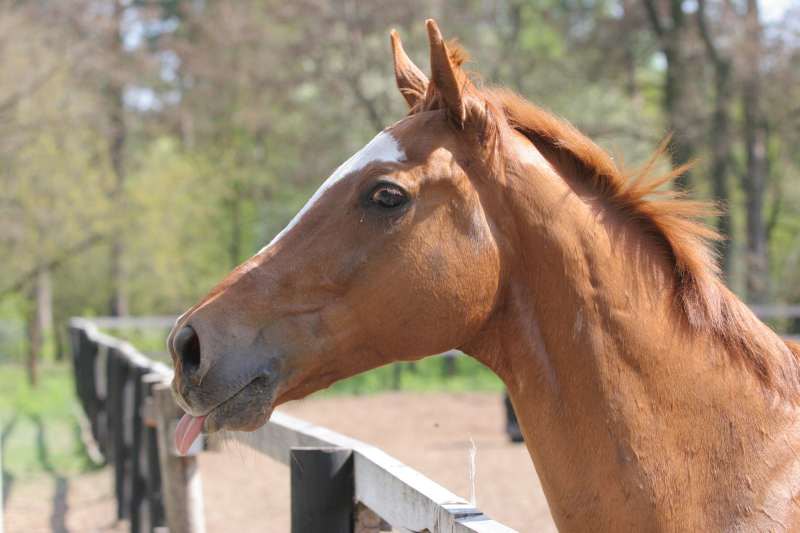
x,y
512,426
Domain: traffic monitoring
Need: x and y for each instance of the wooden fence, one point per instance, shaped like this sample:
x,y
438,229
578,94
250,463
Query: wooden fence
x,y
338,484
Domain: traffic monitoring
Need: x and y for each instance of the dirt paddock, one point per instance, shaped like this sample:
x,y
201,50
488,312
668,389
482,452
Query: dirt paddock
x,y
245,492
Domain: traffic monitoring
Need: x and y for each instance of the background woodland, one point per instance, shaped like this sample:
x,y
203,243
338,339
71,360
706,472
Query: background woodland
x,y
147,147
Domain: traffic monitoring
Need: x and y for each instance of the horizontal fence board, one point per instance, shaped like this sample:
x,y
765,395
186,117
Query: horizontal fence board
x,y
776,311
134,322
396,492
125,349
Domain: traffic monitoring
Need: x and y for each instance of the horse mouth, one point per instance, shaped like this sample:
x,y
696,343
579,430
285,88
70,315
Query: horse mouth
x,y
247,410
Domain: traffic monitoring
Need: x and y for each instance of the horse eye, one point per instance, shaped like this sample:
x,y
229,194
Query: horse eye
x,y
389,196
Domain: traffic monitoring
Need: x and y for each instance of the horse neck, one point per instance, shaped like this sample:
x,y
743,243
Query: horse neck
x,y
621,405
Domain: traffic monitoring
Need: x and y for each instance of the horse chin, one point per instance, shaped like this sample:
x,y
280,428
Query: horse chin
x,y
247,410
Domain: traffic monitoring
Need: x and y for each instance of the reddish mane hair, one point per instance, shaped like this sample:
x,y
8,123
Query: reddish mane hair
x,y
674,221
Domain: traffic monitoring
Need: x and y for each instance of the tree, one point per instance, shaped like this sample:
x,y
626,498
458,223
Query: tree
x,y
754,179
671,32
719,131
117,133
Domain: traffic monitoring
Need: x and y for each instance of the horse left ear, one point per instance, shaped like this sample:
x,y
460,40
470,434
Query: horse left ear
x,y
410,79
447,78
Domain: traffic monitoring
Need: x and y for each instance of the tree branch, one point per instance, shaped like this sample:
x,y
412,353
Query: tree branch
x,y
53,263
374,116
774,212
655,19
676,8
13,99
702,25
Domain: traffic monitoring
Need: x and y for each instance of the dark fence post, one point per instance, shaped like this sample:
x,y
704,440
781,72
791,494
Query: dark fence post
x,y
113,404
323,490
84,363
92,403
154,501
118,418
79,364
137,458
99,373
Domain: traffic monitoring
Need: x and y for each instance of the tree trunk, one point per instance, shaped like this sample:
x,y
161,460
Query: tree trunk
x,y
39,320
118,133
681,151
631,87
235,244
34,334
720,160
720,135
44,300
754,180
672,38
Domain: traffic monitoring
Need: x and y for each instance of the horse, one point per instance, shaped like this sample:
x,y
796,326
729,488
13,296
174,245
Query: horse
x,y
649,396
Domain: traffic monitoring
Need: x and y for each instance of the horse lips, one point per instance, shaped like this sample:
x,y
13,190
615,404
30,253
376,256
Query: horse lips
x,y
187,430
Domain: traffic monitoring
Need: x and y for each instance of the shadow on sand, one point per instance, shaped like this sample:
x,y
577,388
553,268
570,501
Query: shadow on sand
x,y
57,524
8,478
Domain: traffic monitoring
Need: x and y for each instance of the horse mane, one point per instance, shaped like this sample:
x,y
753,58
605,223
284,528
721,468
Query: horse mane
x,y
665,214
673,221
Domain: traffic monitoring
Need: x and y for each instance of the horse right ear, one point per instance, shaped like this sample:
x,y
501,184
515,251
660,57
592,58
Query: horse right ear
x,y
410,80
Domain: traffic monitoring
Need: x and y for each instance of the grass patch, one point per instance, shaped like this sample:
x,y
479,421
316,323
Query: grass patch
x,y
432,374
40,427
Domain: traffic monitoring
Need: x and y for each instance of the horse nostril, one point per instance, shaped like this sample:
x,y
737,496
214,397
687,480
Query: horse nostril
x,y
187,346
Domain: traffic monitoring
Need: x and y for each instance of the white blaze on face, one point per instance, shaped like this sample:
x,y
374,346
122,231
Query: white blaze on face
x,y
383,148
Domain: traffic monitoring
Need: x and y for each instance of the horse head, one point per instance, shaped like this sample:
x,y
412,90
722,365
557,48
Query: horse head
x,y
393,258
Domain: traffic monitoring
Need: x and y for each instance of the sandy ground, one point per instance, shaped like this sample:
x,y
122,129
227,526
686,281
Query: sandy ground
x,y
84,503
245,492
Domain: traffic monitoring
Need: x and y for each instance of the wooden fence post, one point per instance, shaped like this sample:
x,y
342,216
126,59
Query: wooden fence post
x,y
322,490
180,478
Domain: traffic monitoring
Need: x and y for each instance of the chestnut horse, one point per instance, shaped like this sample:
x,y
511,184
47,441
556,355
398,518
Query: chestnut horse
x,y
649,396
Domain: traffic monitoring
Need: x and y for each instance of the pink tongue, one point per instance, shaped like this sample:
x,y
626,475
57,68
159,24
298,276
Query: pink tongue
x,y
187,430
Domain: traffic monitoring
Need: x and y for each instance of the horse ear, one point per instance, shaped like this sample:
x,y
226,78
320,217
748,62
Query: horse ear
x,y
410,79
448,79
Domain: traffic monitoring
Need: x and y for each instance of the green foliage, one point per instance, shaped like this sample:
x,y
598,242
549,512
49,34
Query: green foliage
x,y
249,106
150,341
